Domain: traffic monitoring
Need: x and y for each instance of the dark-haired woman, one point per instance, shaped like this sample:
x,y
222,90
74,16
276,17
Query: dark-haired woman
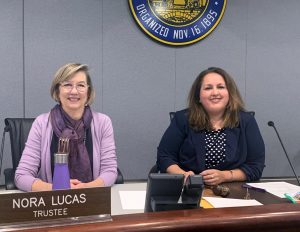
x,y
214,136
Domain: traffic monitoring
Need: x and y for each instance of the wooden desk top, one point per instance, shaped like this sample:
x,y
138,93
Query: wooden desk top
x,y
238,192
275,215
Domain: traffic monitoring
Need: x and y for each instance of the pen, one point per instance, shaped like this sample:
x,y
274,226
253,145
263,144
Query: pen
x,y
253,188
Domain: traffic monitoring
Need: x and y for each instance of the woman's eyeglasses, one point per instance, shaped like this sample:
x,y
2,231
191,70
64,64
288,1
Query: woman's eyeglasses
x,y
81,87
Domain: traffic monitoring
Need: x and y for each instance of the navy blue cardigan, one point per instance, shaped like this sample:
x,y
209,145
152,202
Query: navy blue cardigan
x,y
185,147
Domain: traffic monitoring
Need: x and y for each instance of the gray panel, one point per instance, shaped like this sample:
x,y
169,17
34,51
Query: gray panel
x,y
59,32
224,47
11,66
138,81
138,89
273,78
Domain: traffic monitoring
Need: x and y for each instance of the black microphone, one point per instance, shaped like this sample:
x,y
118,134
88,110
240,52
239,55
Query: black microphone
x,y
271,124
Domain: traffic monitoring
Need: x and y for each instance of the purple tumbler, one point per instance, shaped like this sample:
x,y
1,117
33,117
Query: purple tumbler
x,y
61,176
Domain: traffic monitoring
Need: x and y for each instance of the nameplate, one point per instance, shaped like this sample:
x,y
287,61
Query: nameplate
x,y
35,206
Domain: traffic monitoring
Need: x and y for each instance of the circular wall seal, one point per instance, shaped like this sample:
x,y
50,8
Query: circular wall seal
x,y
177,22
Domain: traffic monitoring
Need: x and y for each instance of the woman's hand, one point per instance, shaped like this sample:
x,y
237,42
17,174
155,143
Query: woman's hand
x,y
187,174
39,185
175,169
213,176
75,184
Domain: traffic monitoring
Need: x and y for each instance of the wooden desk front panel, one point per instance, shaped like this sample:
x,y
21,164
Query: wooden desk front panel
x,y
274,217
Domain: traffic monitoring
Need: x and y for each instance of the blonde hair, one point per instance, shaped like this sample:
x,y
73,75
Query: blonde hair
x,y
65,73
197,115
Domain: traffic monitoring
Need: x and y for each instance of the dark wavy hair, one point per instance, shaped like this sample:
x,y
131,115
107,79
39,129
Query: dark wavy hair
x,y
197,115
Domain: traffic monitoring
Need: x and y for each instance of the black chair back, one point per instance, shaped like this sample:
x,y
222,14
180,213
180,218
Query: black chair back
x,y
18,129
171,114
154,168
120,178
252,113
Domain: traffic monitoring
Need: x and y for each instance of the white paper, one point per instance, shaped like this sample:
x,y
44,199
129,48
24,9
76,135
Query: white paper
x,y
218,202
277,188
132,199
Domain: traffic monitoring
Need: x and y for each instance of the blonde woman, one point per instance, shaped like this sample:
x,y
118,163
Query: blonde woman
x,y
92,158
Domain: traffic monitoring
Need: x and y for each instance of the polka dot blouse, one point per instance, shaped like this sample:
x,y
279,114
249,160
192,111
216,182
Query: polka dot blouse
x,y
215,146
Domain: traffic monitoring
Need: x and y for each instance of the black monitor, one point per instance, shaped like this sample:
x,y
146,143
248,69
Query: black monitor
x,y
168,192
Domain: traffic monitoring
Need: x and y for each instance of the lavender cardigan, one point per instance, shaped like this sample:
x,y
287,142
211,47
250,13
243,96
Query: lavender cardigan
x,y
35,162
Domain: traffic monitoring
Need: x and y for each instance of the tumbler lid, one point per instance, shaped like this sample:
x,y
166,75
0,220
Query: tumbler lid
x,y
61,158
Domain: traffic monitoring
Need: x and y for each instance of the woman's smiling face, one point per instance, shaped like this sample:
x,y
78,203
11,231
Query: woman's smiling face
x,y
214,95
73,94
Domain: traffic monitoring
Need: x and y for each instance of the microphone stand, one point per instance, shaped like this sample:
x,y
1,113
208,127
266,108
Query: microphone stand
x,y
271,124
